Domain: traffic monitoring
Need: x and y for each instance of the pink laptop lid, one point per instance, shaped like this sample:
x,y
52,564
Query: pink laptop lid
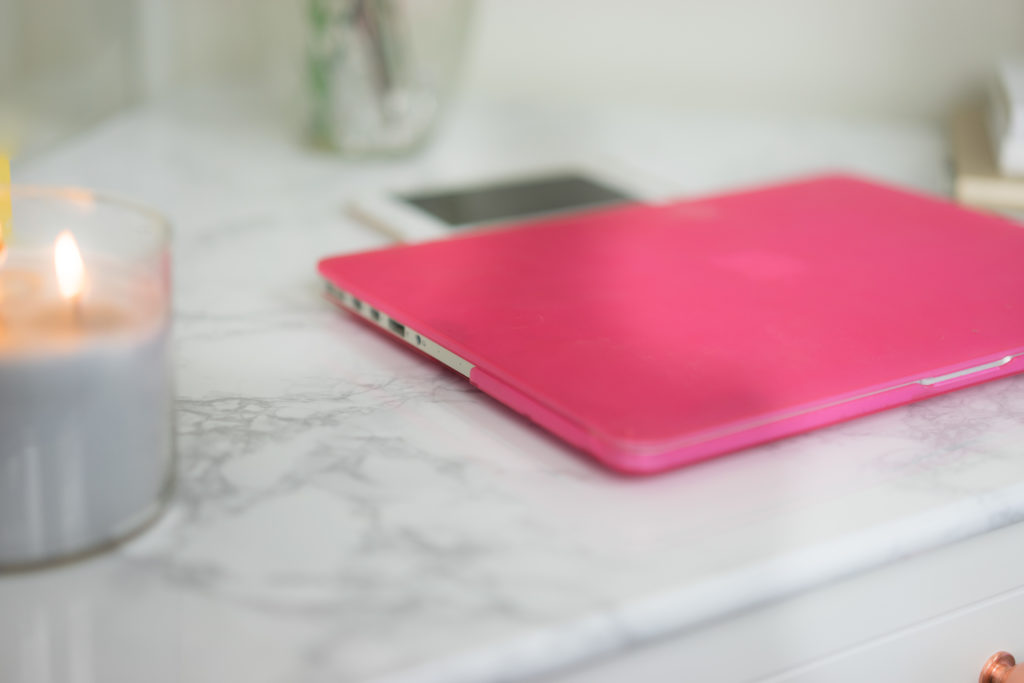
x,y
656,336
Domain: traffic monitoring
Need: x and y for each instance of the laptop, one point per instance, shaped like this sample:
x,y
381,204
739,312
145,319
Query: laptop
x,y
652,337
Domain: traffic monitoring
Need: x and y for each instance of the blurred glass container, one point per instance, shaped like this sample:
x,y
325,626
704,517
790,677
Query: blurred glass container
x,y
381,71
86,400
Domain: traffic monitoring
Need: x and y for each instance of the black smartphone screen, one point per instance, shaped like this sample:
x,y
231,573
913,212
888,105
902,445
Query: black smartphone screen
x,y
491,203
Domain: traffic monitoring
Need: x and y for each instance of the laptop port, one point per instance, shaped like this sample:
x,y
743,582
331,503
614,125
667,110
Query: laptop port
x,y
375,314
357,304
397,328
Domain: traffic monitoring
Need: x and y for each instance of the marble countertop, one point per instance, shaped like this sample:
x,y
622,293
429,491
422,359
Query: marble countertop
x,y
348,511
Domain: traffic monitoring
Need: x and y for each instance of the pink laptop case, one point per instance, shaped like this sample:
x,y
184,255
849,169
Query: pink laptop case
x,y
652,337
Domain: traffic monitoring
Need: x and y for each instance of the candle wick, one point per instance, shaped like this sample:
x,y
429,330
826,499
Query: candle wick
x,y
76,310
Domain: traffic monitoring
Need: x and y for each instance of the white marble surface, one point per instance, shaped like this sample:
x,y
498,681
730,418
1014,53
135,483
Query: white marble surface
x,y
348,511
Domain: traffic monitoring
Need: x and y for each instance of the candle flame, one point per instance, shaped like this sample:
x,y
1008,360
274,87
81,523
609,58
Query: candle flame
x,y
70,269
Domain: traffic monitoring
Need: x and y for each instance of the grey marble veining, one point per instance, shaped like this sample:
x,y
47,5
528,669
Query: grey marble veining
x,y
348,511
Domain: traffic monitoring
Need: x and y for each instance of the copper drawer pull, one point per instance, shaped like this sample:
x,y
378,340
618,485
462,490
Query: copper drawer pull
x,y
1001,668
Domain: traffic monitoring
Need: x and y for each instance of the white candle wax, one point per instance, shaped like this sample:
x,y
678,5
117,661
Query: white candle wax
x,y
85,409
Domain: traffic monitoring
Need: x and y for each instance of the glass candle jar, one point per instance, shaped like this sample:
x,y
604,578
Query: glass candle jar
x,y
86,402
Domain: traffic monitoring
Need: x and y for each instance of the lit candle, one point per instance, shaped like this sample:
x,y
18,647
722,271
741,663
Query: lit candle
x,y
67,262
85,394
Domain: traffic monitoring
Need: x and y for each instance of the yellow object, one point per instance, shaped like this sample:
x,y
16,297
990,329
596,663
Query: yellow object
x,y
5,200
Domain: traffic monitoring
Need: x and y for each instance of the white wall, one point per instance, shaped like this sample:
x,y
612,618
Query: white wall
x,y
877,57
189,41
63,64
886,57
